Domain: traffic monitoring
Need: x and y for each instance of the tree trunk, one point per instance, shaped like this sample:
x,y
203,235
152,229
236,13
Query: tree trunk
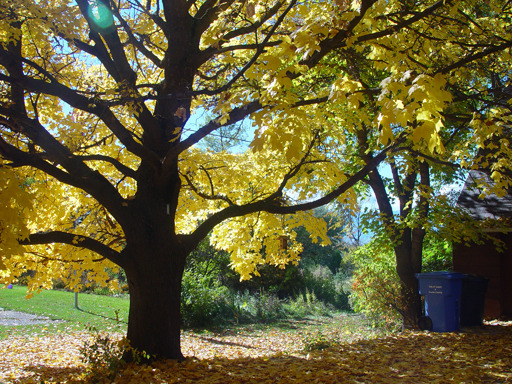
x,y
411,299
154,319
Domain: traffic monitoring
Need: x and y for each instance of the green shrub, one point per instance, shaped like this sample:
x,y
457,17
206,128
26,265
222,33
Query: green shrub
x,y
306,304
317,341
268,306
328,287
213,294
203,299
437,255
239,305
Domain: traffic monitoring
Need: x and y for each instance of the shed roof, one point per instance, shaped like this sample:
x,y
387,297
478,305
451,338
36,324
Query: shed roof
x,y
491,206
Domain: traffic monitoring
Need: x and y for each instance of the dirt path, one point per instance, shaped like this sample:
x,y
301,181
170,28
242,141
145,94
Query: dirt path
x,y
11,318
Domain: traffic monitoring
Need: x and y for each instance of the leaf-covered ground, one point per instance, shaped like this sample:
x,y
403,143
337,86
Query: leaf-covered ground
x,y
476,355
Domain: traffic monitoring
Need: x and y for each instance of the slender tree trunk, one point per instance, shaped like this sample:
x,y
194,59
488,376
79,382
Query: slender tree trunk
x,y
409,257
411,299
408,242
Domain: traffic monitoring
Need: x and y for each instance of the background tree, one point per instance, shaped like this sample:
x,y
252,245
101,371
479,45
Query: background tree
x,y
95,100
438,110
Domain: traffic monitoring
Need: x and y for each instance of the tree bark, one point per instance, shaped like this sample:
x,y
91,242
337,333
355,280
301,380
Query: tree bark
x,y
154,319
155,260
411,300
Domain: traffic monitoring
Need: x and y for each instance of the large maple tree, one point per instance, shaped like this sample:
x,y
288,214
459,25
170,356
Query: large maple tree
x,y
98,152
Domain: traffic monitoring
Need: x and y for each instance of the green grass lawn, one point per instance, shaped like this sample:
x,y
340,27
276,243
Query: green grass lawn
x,y
101,312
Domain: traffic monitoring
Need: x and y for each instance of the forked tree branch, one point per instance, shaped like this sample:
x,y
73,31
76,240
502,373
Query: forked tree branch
x,y
235,116
95,107
135,42
203,195
127,171
253,59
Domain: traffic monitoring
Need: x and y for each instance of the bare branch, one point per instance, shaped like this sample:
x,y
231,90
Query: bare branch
x,y
217,74
429,158
253,27
136,43
235,115
230,48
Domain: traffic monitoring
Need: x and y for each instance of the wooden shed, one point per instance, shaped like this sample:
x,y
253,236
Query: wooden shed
x,y
484,259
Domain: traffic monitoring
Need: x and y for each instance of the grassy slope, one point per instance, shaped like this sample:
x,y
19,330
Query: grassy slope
x,y
101,312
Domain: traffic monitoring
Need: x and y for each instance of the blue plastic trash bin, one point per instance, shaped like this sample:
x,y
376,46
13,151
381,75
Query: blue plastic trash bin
x,y
442,299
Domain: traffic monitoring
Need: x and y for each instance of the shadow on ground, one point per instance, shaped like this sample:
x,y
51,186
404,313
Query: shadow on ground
x,y
474,355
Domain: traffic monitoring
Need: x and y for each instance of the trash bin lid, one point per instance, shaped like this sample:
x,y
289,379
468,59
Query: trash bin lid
x,y
440,275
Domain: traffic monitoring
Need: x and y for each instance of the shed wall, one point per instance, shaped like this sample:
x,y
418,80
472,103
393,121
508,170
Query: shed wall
x,y
486,261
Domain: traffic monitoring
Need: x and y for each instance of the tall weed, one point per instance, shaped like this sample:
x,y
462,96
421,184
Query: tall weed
x,y
328,287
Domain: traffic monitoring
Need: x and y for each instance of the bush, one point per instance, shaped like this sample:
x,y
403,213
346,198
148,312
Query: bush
x,y
328,287
437,255
213,294
267,306
103,356
203,299
307,304
376,286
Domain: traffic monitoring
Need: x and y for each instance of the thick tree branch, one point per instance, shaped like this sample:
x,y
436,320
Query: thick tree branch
x,y
204,9
404,189
91,182
207,14
418,232
93,106
41,137
235,115
111,37
266,206
78,241
474,57
20,159
127,171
